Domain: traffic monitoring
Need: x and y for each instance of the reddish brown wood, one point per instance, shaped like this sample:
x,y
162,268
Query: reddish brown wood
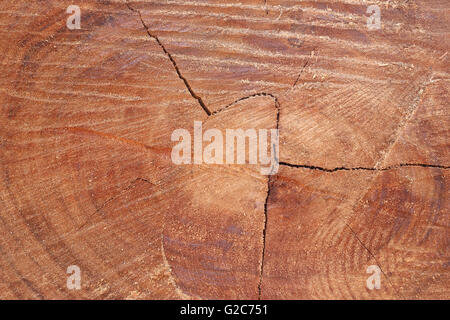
x,y
85,142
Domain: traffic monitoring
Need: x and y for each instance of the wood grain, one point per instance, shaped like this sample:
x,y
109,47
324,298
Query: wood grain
x,y
85,142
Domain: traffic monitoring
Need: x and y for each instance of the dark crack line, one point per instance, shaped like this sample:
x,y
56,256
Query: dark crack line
x,y
186,83
269,180
209,113
401,165
188,86
259,94
353,232
301,71
264,238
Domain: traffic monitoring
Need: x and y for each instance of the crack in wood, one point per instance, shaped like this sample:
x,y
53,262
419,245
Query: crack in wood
x,y
301,71
261,267
186,83
376,260
401,165
209,113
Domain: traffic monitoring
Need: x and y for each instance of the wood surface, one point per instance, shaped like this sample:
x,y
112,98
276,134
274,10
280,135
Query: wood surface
x,y
86,176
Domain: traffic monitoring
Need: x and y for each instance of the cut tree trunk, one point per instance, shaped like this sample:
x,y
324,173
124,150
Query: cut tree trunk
x,y
87,179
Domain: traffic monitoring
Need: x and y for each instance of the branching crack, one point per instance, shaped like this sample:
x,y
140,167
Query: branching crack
x,y
269,181
209,113
186,83
271,178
